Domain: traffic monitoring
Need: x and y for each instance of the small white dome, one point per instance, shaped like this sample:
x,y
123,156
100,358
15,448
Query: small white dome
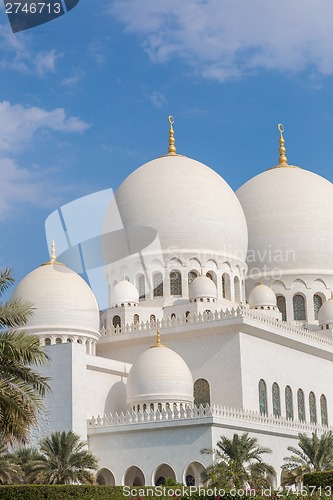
x,y
159,375
325,315
62,300
202,287
261,296
125,293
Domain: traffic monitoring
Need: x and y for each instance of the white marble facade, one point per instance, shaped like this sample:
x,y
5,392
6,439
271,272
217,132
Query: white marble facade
x,y
234,355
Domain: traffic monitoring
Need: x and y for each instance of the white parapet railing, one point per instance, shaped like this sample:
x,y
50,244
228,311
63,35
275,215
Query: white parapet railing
x,y
222,315
193,413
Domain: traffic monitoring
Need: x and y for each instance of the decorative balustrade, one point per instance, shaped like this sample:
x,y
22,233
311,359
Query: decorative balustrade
x,y
193,413
211,317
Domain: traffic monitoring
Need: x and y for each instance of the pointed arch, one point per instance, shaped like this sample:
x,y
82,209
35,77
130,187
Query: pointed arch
x,y
262,388
323,410
317,303
301,405
289,403
201,392
299,307
175,283
276,400
312,408
158,284
281,305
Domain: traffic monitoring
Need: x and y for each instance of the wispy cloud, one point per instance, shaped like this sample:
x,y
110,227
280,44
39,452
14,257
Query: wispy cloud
x,y
223,39
74,78
18,55
29,185
157,99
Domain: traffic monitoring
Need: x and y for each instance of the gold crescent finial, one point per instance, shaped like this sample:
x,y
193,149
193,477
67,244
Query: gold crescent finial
x,y
172,148
158,339
283,160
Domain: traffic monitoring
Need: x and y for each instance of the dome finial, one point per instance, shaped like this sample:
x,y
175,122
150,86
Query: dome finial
x,y
53,258
158,339
172,147
283,160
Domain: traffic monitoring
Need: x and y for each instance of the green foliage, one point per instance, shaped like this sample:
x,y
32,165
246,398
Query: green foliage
x,y
63,459
313,454
318,479
238,463
22,388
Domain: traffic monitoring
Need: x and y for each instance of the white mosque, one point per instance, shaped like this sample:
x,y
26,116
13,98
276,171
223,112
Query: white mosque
x,y
219,321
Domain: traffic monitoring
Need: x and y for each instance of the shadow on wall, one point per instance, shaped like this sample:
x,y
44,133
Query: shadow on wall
x,y
116,399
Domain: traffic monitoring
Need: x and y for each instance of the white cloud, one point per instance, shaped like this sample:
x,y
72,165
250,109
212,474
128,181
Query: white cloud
x,y
29,185
18,124
225,39
17,54
21,186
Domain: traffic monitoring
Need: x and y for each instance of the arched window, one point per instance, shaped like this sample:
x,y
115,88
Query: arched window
x,y
210,276
188,316
58,340
263,397
276,400
301,405
116,321
281,304
312,408
289,403
141,285
175,283
201,392
69,340
158,285
173,316
152,318
226,286
317,303
136,319
47,341
323,410
191,277
237,289
299,307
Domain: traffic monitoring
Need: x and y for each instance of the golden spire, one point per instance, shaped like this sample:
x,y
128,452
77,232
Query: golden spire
x,y
172,147
53,257
283,160
158,339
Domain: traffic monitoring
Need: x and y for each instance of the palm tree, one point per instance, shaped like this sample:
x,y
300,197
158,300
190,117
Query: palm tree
x,y
28,462
238,464
9,470
21,387
313,455
64,459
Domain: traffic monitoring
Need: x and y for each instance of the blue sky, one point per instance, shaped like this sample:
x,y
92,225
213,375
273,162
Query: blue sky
x,y
84,99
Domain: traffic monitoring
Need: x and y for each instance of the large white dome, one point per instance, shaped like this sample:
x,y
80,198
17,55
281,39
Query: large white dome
x,y
190,206
62,301
159,375
290,224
